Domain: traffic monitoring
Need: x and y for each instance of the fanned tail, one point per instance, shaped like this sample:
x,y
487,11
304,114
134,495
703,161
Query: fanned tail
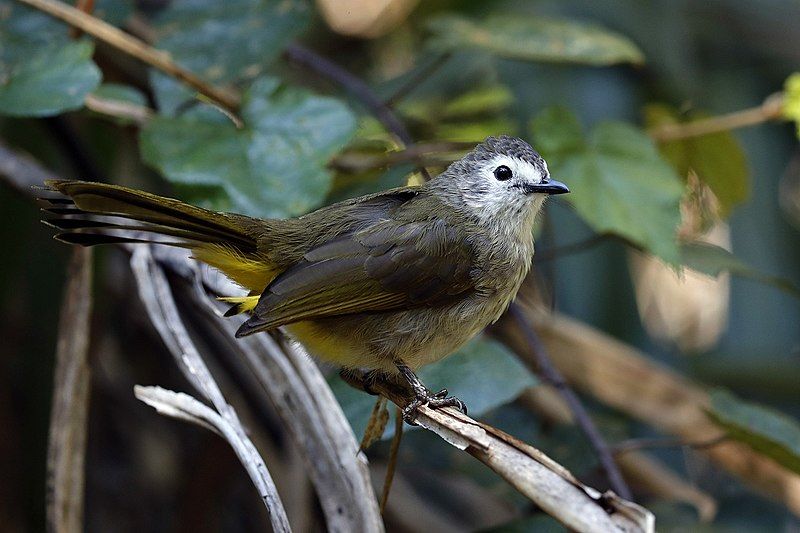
x,y
99,213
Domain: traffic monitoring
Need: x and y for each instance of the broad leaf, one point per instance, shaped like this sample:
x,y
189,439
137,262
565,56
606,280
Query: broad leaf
x,y
533,38
483,374
619,182
224,42
42,71
273,167
765,430
718,159
713,260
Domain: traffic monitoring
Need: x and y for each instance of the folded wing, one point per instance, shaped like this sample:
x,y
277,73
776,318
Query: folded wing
x,y
390,265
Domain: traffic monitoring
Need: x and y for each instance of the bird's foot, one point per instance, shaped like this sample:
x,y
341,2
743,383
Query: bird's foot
x,y
423,396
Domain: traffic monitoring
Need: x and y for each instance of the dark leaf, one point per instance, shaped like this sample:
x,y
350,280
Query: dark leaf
x,y
765,430
533,38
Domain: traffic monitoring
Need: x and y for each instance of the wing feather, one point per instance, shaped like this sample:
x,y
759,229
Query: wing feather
x,y
390,265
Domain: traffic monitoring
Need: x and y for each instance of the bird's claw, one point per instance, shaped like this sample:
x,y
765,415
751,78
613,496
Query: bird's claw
x,y
435,401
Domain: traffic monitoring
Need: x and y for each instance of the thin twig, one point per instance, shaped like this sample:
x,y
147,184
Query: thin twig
x,y
572,248
137,114
771,109
394,452
159,303
417,153
137,48
66,447
552,376
417,78
357,88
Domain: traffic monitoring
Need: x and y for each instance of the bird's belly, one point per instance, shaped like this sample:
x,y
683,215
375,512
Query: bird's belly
x,y
376,340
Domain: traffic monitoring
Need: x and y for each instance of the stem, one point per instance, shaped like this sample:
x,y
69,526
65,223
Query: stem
x,y
393,454
771,109
552,376
135,47
417,78
357,88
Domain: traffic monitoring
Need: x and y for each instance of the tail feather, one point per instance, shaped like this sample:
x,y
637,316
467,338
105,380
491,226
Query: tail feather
x,y
114,200
91,215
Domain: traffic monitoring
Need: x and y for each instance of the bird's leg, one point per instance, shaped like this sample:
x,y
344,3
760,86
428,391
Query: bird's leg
x,y
423,396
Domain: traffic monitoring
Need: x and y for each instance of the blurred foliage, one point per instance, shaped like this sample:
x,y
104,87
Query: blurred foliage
x,y
620,184
766,430
533,39
571,76
718,159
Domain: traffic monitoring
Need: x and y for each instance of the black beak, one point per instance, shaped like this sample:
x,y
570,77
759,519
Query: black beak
x,y
547,187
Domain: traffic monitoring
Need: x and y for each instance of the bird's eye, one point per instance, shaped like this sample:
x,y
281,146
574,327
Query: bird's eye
x,y
503,173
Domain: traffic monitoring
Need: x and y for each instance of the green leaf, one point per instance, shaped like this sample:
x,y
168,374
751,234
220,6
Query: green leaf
x,y
223,42
120,93
791,100
717,158
619,182
42,71
273,167
713,260
483,374
531,38
767,431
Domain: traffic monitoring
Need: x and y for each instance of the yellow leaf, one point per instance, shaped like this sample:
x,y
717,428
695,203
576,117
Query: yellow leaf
x,y
791,103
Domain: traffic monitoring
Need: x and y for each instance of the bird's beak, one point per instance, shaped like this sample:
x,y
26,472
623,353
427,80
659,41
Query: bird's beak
x,y
547,187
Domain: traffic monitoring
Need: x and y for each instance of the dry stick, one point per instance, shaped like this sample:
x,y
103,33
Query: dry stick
x,y
336,466
393,453
771,109
552,376
546,483
66,447
135,47
357,88
159,303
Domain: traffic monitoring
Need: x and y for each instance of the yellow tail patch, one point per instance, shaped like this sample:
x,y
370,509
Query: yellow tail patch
x,y
243,303
250,273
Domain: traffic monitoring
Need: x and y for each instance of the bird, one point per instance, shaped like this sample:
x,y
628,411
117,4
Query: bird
x,y
387,282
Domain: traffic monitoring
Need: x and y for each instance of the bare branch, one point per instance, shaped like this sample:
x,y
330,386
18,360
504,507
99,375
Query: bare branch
x,y
66,447
620,376
552,376
160,305
132,46
771,109
310,413
549,485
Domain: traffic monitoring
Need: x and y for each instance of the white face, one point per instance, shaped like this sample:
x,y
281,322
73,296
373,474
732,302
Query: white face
x,y
491,193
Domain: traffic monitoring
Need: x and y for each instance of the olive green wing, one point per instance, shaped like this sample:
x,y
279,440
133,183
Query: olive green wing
x,y
391,265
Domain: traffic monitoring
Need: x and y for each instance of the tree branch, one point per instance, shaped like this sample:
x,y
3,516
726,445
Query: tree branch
x,y
771,109
544,367
157,297
66,447
137,48
546,483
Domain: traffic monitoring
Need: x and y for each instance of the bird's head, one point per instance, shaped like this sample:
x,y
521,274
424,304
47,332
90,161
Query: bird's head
x,y
501,177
